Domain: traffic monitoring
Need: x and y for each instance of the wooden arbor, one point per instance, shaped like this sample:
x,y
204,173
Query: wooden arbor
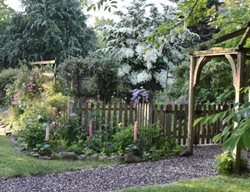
x,y
237,58
41,65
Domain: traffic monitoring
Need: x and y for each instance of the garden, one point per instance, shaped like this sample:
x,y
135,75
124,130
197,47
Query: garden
x,y
119,103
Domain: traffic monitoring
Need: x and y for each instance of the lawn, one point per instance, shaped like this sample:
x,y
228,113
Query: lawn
x,y
210,184
13,164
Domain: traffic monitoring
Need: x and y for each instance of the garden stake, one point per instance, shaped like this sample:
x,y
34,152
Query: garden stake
x,y
90,130
135,131
47,134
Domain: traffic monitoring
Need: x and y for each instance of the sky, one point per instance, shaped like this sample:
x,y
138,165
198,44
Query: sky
x,y
16,5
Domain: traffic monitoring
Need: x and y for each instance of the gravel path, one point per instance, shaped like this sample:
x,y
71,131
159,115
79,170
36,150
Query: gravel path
x,y
120,176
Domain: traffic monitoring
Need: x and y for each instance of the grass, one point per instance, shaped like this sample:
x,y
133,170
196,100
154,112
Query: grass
x,y
13,164
210,184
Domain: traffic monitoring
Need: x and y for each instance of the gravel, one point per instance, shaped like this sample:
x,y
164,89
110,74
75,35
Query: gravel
x,y
120,176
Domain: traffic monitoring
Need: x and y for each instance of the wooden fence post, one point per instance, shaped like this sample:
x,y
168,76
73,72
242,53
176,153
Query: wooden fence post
x,y
70,108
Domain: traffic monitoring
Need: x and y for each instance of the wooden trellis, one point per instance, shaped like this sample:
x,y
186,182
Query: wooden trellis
x,y
42,64
237,58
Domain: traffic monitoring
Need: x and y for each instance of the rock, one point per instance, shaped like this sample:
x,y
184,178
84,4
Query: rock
x,y
137,159
44,153
32,154
82,157
116,158
129,157
20,149
119,158
44,158
103,158
184,153
95,156
68,155
54,156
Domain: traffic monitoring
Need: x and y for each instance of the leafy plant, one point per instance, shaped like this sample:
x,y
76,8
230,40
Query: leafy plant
x,y
135,149
237,134
70,129
32,124
123,137
150,145
43,149
224,163
76,147
101,143
26,87
7,76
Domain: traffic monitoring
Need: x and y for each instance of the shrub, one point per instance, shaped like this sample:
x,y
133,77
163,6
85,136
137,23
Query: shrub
x,y
33,123
7,76
26,87
70,129
53,97
101,142
225,161
150,145
43,149
122,138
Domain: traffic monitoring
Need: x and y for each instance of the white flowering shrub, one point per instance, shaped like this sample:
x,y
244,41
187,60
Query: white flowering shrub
x,y
140,61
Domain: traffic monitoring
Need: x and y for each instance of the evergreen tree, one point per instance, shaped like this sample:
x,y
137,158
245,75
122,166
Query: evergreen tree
x,y
47,29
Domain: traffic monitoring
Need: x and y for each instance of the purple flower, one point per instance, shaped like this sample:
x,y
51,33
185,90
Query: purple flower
x,y
139,95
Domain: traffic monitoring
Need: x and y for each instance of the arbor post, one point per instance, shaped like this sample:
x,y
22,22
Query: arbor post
x,y
238,84
191,106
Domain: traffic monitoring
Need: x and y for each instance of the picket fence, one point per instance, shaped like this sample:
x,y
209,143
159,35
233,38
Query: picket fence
x,y
172,118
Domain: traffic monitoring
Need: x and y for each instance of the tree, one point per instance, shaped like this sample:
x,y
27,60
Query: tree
x,y
98,27
105,4
212,87
5,14
140,62
231,17
47,30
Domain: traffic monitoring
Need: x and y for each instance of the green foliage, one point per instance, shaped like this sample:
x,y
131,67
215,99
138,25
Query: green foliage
x,y
7,77
6,14
100,24
78,71
76,148
193,11
105,4
234,15
123,137
231,136
15,164
36,104
89,76
43,149
216,83
32,125
46,30
26,87
179,88
100,143
70,130
150,145
224,163
53,97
